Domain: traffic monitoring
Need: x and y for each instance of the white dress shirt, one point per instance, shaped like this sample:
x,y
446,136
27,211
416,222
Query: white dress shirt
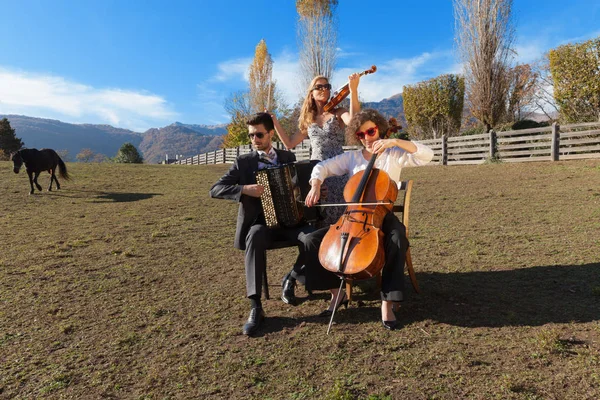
x,y
392,160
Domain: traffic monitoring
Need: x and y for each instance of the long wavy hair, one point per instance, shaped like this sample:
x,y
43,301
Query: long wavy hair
x,y
308,112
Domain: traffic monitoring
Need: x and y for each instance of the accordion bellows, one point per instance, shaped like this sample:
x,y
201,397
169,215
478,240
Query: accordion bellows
x,y
280,198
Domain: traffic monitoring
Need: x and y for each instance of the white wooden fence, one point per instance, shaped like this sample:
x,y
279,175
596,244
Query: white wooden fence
x,y
550,143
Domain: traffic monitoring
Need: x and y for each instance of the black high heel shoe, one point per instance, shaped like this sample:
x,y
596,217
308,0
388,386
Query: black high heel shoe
x,y
328,312
392,325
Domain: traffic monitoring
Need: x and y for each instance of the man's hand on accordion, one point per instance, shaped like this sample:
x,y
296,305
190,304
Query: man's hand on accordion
x,y
253,190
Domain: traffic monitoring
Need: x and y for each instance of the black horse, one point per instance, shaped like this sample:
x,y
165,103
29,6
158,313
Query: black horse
x,y
37,161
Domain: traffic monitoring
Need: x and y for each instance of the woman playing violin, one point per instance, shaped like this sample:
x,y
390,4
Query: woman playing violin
x,y
325,129
369,129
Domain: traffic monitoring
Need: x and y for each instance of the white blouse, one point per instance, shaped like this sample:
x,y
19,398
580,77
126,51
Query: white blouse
x,y
392,161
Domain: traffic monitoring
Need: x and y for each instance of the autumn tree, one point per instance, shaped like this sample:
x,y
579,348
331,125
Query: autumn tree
x,y
85,155
317,38
484,35
575,70
260,78
262,94
522,87
434,107
9,142
238,107
64,154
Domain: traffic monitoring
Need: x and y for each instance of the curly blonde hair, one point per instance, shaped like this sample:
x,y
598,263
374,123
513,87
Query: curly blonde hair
x,y
360,118
308,112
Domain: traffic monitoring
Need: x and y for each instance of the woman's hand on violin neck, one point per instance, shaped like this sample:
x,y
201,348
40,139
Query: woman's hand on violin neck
x,y
353,81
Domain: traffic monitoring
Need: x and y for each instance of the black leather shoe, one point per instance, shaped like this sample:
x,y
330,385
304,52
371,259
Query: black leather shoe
x,y
390,325
287,293
255,320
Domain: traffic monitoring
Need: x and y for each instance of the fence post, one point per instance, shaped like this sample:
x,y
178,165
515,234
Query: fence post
x,y
206,158
555,144
444,159
493,144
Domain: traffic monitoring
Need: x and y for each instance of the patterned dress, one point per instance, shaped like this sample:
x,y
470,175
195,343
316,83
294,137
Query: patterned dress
x,y
327,142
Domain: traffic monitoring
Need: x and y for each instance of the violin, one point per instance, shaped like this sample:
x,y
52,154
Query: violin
x,y
353,246
344,91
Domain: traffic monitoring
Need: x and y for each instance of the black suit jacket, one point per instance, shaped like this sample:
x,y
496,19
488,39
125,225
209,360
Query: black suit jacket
x,y
230,187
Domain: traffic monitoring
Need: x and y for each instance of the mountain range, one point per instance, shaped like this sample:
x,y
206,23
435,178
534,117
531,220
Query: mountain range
x,y
154,144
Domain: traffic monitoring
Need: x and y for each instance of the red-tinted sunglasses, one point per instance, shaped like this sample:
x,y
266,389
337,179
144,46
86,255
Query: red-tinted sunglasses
x,y
371,131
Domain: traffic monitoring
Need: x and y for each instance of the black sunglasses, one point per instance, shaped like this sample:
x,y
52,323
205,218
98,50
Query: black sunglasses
x,y
319,87
259,135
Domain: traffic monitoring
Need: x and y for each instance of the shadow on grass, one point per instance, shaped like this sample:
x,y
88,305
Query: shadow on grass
x,y
123,197
528,296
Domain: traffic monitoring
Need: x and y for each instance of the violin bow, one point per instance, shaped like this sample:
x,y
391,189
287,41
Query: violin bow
x,y
377,203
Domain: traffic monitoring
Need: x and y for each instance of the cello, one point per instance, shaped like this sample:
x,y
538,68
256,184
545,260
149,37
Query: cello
x,y
353,248
344,91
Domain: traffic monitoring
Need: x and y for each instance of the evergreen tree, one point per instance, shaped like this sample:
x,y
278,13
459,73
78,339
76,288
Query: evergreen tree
x,y
9,142
128,154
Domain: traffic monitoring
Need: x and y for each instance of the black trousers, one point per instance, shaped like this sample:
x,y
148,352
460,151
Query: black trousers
x,y
258,240
392,276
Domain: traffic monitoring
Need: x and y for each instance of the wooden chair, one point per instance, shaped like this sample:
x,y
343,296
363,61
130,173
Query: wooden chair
x,y
404,210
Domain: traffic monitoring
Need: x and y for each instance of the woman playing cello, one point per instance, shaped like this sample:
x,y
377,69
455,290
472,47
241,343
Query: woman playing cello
x,y
370,129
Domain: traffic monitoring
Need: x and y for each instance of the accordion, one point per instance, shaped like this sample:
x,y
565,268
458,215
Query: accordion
x,y
286,187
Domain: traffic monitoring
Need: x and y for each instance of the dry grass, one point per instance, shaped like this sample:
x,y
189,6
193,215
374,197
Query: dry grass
x,y
125,284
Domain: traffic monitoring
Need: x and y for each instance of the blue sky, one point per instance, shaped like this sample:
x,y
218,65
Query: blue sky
x,y
141,64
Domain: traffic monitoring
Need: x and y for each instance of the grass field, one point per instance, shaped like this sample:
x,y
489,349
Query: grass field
x,y
125,285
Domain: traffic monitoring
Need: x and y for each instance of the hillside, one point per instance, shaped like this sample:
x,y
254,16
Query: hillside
x,y
39,133
176,138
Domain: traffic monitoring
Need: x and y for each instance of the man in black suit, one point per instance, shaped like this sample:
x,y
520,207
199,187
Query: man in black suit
x,y
252,234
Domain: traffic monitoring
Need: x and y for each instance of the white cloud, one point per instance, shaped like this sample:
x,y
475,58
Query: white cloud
x,y
286,70
393,74
343,53
581,38
211,101
529,52
56,97
233,69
